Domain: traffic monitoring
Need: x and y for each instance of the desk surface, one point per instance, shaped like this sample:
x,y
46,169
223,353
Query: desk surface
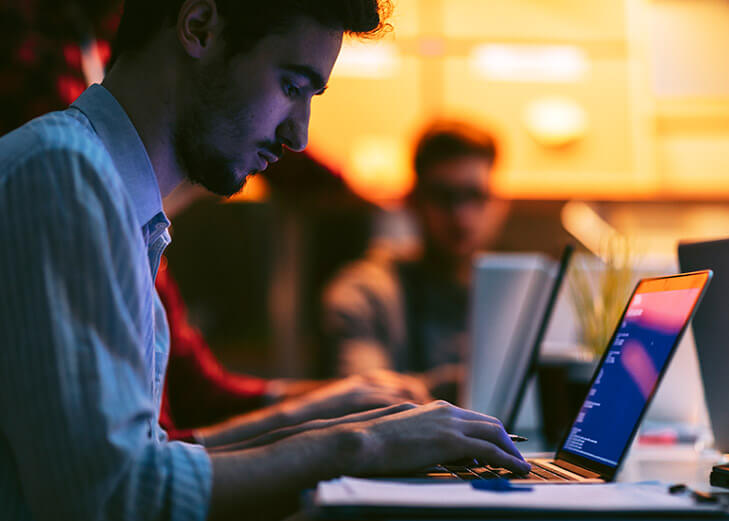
x,y
676,464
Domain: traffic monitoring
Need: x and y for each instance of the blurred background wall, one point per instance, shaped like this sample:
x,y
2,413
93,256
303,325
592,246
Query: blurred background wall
x,y
598,99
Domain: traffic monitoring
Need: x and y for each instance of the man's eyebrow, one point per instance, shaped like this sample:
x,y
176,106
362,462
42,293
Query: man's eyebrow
x,y
316,80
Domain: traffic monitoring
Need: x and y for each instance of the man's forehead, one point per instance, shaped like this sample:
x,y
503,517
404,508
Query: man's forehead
x,y
306,46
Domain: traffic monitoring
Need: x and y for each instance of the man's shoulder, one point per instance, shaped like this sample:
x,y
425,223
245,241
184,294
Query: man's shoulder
x,y
56,135
378,274
59,159
58,147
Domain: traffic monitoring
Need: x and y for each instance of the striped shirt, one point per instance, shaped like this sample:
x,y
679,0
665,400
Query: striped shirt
x,y
83,336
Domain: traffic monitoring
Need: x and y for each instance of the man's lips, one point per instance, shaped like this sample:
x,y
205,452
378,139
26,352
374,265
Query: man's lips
x,y
268,156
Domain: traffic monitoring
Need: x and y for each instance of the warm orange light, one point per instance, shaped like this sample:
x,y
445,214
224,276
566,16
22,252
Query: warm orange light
x,y
529,63
256,189
555,121
641,120
378,170
366,60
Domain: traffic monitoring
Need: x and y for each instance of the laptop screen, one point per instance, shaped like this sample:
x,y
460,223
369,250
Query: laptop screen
x,y
630,370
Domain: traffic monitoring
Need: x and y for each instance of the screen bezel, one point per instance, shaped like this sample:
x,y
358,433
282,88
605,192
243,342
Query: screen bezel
x,y
608,472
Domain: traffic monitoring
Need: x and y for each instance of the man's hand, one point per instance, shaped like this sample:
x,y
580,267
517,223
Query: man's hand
x,y
434,433
416,437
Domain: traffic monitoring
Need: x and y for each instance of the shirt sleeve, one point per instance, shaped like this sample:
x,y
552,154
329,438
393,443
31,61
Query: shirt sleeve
x,y
75,380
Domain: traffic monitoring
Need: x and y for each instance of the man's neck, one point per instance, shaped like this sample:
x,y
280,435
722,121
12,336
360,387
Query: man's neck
x,y
148,100
454,270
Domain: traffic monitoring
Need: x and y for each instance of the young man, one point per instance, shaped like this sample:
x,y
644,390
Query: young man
x,y
205,90
409,313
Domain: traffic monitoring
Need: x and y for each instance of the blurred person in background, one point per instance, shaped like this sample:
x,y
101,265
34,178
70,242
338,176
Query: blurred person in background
x,y
205,90
408,313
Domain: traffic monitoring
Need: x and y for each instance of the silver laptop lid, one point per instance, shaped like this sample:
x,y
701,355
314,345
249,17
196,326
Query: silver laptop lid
x,y
508,293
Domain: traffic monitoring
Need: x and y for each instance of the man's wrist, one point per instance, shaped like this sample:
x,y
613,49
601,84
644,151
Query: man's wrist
x,y
353,448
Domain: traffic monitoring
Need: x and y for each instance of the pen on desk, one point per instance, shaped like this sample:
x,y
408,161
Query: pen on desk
x,y
697,495
517,438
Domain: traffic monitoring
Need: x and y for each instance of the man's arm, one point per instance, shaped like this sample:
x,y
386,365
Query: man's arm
x,y
363,318
264,482
77,416
339,398
285,432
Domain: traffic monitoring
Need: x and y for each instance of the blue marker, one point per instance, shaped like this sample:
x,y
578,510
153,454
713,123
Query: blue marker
x,y
499,485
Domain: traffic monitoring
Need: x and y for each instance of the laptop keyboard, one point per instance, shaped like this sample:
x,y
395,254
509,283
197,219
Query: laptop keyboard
x,y
467,472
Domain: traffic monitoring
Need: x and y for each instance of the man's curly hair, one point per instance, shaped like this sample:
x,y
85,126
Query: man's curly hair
x,y
248,21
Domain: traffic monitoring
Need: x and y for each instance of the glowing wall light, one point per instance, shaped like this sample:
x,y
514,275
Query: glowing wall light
x,y
367,60
378,170
584,224
555,121
529,63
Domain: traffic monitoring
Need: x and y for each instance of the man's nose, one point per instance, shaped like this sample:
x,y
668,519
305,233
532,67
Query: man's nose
x,y
294,131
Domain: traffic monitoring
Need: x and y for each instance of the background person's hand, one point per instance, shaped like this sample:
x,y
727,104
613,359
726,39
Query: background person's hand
x,y
356,394
414,388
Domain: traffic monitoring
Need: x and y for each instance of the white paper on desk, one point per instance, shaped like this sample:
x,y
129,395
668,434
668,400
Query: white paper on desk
x,y
611,497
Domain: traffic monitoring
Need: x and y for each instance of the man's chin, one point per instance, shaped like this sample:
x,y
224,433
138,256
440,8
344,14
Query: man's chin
x,y
223,185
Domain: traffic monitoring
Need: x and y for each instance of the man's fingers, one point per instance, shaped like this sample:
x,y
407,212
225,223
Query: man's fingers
x,y
492,433
467,414
490,454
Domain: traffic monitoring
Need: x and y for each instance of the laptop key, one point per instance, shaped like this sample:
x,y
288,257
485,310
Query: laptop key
x,y
485,473
468,476
548,474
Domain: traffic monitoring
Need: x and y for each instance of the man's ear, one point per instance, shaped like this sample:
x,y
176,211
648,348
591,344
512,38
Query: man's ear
x,y
198,24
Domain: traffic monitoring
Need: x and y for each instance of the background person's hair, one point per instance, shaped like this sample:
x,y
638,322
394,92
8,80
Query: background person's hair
x,y
248,21
445,140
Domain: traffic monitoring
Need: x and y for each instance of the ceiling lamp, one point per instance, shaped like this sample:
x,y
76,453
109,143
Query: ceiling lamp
x,y
555,122
529,63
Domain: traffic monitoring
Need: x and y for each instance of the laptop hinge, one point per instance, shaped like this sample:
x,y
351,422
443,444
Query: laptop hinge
x,y
580,471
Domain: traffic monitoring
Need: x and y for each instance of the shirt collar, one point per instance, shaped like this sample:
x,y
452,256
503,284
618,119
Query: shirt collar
x,y
126,149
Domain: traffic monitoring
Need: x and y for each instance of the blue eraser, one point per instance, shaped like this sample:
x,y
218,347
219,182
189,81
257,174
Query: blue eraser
x,y
499,485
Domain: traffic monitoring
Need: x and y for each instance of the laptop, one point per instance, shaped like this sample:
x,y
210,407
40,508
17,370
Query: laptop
x,y
533,359
622,387
711,331
509,292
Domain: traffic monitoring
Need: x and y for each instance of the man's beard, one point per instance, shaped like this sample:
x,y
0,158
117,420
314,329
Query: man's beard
x,y
203,165
200,161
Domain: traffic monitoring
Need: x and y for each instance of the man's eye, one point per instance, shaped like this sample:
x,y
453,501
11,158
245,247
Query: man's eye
x,y
291,90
